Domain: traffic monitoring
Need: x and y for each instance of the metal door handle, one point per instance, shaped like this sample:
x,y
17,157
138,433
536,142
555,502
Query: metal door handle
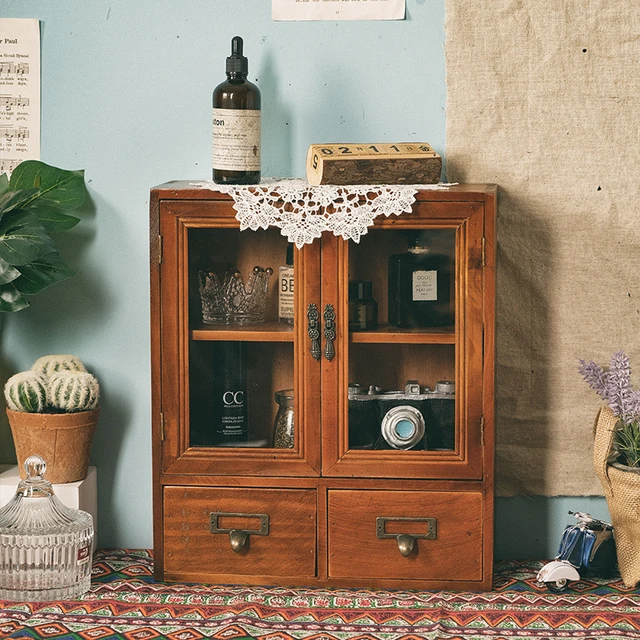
x,y
329,331
313,330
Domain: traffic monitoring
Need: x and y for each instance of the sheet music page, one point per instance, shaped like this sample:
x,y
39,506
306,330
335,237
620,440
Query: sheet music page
x,y
19,92
337,9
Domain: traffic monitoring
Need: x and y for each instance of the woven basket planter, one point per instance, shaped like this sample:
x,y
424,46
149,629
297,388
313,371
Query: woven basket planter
x,y
621,487
62,439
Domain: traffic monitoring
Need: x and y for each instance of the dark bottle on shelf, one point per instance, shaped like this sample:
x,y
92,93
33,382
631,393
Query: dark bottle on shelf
x,y
420,291
363,309
236,123
230,420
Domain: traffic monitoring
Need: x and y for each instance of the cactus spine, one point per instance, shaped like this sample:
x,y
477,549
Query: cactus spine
x,y
71,391
26,391
48,365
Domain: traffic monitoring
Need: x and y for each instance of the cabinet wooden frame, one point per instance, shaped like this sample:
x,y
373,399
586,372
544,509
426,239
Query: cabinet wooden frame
x,y
321,461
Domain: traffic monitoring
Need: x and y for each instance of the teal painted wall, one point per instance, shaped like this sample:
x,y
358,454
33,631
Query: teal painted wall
x,y
126,95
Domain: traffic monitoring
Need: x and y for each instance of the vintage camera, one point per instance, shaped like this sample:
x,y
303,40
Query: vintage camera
x,y
416,418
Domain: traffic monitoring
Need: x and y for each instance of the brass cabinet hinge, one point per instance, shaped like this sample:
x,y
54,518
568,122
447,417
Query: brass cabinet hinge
x,y
484,251
482,431
159,249
161,426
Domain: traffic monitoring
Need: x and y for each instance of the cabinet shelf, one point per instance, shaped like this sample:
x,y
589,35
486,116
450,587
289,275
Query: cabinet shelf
x,y
387,334
264,332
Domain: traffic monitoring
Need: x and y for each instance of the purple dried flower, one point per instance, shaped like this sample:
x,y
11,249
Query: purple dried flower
x,y
594,376
614,386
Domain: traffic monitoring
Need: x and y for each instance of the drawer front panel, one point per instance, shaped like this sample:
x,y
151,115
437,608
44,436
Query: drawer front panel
x,y
441,535
280,523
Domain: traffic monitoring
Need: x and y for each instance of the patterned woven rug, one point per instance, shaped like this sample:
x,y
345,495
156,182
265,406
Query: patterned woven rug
x,y
126,602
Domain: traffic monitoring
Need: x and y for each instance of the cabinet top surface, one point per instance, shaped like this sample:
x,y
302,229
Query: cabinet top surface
x,y
185,190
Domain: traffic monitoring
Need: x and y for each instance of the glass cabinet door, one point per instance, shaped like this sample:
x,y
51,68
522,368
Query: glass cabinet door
x,y
411,341
238,403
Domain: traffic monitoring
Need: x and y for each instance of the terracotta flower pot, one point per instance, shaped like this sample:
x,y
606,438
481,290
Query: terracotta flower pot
x,y
62,439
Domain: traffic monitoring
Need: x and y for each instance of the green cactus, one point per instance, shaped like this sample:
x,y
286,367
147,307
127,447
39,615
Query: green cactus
x,y
48,365
71,391
27,392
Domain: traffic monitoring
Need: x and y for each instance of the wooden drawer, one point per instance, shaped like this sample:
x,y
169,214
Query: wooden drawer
x,y
450,521
286,516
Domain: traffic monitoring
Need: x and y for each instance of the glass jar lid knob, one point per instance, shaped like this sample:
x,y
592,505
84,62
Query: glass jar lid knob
x,y
35,466
35,485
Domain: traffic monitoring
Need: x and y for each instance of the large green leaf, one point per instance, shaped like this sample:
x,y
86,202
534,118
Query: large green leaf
x,y
4,183
7,272
59,188
11,299
54,221
23,238
15,200
42,273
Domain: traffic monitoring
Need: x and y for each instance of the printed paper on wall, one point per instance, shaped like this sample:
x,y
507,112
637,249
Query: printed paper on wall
x,y
338,9
19,92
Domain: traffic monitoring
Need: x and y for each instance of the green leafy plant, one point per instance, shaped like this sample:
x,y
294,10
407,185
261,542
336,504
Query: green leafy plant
x,y
33,204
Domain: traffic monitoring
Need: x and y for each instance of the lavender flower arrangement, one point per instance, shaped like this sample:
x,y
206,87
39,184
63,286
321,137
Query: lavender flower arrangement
x,y
613,385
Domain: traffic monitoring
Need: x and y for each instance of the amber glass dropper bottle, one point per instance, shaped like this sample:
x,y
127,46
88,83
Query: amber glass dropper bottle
x,y
236,123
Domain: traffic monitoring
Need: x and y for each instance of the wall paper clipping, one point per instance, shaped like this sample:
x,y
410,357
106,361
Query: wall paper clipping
x,y
19,92
338,9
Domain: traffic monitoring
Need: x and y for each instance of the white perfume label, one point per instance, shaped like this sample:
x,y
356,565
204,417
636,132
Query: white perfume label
x,y
236,139
424,285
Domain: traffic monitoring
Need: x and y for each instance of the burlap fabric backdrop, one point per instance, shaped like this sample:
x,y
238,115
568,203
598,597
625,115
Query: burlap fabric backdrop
x,y
544,99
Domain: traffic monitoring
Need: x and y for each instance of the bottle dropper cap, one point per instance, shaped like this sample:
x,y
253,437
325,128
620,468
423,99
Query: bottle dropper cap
x,y
236,62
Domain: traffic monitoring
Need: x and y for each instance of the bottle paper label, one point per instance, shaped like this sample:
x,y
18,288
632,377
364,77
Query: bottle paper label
x,y
236,139
424,285
233,418
285,293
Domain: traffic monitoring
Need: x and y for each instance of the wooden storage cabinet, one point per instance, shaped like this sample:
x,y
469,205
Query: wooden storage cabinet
x,y
342,507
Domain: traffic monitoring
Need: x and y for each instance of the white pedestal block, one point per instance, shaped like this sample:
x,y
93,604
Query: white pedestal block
x,y
75,495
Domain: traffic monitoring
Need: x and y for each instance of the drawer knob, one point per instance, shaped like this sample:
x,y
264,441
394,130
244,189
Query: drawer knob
x,y
405,544
239,538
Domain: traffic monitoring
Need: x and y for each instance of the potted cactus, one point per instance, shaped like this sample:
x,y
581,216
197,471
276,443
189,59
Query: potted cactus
x,y
53,410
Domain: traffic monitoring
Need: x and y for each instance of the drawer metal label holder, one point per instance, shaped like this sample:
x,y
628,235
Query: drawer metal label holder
x,y
239,538
406,542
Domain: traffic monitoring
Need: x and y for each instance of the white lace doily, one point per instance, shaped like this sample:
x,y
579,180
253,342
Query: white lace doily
x,y
299,209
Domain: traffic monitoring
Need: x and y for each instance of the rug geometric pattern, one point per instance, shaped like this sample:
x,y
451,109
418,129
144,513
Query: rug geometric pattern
x,y
125,602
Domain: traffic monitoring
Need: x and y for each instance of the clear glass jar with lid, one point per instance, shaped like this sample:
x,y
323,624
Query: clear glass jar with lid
x,y
45,547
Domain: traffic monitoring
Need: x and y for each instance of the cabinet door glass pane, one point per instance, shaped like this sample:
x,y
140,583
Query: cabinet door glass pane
x,y
402,354
241,351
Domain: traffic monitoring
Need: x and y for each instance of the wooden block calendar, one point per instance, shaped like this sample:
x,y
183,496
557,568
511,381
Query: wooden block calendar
x,y
397,163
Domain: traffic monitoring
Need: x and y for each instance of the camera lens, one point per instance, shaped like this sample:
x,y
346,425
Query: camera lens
x,y
405,429
402,427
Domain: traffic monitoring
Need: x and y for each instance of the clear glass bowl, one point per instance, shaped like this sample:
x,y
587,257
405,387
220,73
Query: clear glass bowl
x,y
45,547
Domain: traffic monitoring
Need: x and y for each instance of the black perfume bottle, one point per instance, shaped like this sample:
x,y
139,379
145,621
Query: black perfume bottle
x,y
420,282
230,420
